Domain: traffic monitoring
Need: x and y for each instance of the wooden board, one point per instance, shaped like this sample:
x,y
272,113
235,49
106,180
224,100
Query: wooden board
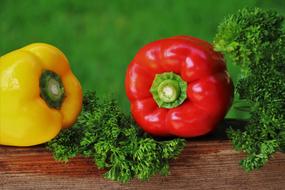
x,y
204,164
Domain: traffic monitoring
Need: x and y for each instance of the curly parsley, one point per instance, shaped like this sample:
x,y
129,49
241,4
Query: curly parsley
x,y
254,40
103,132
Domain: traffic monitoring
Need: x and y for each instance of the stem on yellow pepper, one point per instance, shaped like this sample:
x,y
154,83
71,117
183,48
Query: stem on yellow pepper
x,y
51,89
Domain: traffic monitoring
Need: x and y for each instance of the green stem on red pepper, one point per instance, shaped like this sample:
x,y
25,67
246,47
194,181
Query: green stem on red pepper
x,y
168,90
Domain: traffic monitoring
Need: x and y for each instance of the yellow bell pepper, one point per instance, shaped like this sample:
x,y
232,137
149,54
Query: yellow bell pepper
x,y
39,95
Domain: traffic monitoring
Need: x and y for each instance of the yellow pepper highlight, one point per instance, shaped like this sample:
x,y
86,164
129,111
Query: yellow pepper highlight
x,y
39,95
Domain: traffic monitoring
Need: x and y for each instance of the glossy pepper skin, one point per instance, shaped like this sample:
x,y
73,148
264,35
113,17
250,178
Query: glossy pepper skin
x,y
208,87
26,117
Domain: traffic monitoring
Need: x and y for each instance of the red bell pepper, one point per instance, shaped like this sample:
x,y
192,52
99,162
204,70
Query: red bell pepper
x,y
178,86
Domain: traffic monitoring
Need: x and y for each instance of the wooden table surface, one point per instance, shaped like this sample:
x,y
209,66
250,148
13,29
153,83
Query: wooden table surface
x,y
207,163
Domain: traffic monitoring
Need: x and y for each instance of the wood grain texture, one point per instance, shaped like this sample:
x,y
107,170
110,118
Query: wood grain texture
x,y
204,164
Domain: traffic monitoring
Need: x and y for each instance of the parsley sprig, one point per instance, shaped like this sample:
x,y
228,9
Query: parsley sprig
x,y
255,40
112,139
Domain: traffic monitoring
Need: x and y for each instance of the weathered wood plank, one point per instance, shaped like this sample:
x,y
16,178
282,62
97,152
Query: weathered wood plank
x,y
211,164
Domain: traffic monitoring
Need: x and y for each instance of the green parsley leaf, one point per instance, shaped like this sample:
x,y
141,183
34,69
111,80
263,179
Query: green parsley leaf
x,y
112,139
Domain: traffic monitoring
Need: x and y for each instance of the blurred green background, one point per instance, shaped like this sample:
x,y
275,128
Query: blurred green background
x,y
101,37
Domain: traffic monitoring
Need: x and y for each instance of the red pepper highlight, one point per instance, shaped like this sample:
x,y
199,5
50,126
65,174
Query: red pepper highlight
x,y
178,86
